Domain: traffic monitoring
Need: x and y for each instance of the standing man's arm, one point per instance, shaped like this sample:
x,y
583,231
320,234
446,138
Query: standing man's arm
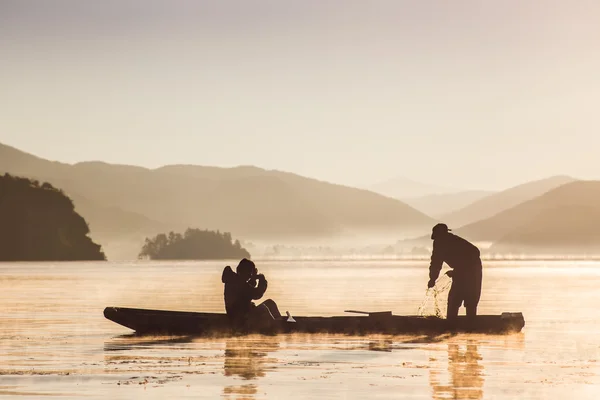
x,y
435,266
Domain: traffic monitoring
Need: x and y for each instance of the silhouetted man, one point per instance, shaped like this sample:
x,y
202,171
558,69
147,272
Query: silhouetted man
x,y
466,274
240,289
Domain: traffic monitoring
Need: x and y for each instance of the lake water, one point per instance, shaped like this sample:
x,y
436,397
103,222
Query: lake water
x,y
54,340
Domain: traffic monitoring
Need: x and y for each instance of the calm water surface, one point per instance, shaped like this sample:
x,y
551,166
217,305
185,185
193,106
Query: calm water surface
x,y
54,340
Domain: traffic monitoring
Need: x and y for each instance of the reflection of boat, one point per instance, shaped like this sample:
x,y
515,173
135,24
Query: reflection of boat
x,y
466,374
134,341
247,358
158,321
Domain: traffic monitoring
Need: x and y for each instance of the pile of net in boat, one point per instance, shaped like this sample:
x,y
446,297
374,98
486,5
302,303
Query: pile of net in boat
x,y
436,298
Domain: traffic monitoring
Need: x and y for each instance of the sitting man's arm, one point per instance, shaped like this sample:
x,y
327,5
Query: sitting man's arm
x,y
260,290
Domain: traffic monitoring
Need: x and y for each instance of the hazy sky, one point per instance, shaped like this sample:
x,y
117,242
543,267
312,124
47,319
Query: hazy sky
x,y
474,94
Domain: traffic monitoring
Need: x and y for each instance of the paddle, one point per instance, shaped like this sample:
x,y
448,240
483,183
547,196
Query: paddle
x,y
370,314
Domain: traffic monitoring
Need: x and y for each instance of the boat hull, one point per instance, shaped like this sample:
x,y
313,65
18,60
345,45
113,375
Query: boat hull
x,y
144,321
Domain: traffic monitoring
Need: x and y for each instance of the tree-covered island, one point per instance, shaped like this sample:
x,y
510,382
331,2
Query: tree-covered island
x,y
194,244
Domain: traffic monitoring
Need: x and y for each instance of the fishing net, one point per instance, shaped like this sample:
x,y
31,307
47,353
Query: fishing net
x,y
436,298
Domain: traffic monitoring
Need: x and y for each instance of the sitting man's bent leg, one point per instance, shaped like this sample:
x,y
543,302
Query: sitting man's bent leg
x,y
272,307
260,319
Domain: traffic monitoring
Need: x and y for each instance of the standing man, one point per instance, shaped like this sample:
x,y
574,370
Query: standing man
x,y
463,257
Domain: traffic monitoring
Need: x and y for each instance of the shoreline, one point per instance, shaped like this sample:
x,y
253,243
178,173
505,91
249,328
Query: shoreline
x,y
351,258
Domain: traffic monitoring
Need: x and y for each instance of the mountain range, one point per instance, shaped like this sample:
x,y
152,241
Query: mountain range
x,y
129,202
440,205
494,203
125,204
400,187
562,220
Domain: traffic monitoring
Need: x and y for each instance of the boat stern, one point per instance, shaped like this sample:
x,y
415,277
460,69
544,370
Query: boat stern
x,y
514,320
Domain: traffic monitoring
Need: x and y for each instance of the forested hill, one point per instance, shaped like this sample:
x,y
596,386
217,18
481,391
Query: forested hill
x,y
38,223
194,244
250,202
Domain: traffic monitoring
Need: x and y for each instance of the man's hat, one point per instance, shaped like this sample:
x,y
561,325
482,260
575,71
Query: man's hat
x,y
439,228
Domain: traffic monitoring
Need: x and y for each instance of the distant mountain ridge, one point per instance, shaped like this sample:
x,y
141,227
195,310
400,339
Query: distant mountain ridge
x,y
504,200
562,218
402,188
438,205
249,202
502,227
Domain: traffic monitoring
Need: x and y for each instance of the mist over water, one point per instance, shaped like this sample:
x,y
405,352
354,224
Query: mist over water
x,y
55,340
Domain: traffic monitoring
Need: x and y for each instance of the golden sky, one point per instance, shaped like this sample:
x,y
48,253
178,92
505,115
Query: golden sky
x,y
472,94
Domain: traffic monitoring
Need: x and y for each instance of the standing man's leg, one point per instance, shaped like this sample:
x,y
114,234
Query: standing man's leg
x,y
454,302
474,293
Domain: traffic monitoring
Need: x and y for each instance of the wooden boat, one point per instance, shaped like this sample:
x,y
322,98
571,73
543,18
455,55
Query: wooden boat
x,y
144,321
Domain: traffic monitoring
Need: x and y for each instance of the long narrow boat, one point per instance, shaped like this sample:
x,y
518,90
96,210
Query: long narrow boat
x,y
144,321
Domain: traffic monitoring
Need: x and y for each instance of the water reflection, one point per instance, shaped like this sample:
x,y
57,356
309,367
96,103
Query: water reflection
x,y
465,374
154,361
247,359
135,342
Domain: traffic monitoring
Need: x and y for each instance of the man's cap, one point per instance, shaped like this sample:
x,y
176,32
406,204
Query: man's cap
x,y
439,228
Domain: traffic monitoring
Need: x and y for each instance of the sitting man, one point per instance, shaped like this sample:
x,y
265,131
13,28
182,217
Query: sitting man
x,y
240,289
